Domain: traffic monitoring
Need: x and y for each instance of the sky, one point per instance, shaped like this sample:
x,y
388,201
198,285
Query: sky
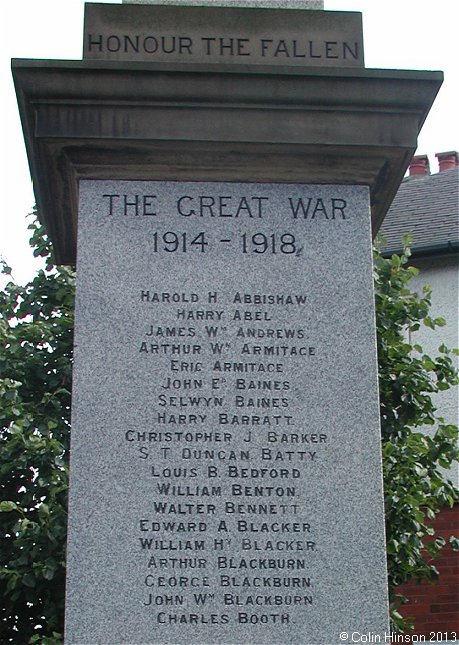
x,y
398,34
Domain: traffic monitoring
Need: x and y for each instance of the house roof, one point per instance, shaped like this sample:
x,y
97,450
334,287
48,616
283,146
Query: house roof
x,y
427,207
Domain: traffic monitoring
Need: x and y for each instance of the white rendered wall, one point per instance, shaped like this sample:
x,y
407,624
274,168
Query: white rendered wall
x,y
442,274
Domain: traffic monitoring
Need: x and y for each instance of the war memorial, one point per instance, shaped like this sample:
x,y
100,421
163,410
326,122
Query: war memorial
x,y
217,174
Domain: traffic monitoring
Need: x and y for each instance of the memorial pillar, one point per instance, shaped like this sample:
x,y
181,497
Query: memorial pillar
x,y
224,173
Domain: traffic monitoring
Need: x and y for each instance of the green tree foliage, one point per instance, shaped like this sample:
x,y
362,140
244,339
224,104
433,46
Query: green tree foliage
x,y
36,332
416,488
36,329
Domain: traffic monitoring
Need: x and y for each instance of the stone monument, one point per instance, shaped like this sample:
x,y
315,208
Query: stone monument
x,y
225,168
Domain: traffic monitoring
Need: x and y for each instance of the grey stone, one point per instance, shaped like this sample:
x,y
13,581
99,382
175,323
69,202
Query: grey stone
x,y
268,4
228,35
298,495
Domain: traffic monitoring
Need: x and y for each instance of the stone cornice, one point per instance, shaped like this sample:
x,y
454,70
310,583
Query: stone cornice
x,y
110,120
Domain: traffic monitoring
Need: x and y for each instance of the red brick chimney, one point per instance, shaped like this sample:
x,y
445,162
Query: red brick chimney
x,y
447,160
419,165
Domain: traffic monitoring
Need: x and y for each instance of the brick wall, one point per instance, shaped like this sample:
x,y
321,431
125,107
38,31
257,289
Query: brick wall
x,y
435,607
